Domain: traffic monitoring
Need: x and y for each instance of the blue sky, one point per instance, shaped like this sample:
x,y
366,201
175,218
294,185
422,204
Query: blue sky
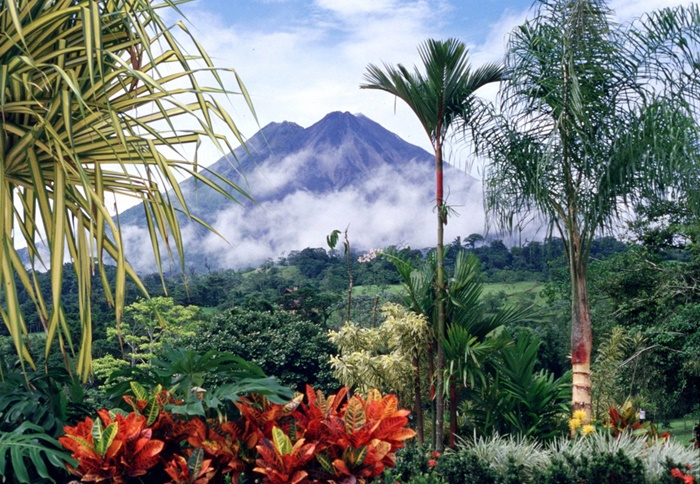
x,y
301,59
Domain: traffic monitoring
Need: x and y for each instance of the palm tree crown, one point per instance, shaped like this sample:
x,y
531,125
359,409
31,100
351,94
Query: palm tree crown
x,y
595,118
439,96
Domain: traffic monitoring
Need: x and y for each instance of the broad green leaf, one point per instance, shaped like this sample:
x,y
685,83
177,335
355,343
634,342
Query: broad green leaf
x,y
106,438
282,442
152,410
138,390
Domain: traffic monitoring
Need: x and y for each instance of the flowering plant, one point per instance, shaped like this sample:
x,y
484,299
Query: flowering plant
x,y
580,423
686,478
627,419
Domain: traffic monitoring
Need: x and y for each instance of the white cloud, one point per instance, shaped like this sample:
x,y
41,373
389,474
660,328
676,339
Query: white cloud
x,y
389,208
345,7
392,206
626,10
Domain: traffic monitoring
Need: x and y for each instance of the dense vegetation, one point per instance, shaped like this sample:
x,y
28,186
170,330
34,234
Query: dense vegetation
x,y
645,288
189,377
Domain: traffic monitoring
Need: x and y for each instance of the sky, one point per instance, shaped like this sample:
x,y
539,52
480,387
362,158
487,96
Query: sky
x,y
302,59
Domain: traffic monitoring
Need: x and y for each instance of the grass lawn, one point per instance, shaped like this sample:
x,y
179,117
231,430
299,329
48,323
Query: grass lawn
x,y
372,290
524,290
681,429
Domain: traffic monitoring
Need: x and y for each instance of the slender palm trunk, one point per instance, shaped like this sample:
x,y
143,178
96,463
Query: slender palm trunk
x,y
581,333
418,400
453,410
431,380
440,306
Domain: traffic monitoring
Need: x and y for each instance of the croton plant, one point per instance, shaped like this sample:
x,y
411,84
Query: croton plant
x,y
312,439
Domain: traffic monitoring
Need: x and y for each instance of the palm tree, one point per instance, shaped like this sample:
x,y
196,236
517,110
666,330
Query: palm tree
x,y
473,336
444,93
98,100
595,119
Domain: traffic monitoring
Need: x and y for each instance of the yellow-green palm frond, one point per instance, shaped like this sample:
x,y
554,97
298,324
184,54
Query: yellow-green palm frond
x,y
97,101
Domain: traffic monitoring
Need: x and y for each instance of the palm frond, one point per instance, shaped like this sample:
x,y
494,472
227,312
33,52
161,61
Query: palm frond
x,y
98,100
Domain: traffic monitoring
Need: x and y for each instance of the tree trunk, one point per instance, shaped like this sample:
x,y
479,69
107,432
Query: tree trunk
x,y
453,411
440,306
581,334
431,380
418,400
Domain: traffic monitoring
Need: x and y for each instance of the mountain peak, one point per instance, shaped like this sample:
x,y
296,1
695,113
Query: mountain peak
x,y
343,169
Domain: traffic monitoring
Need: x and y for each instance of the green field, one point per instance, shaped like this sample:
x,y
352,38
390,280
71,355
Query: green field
x,y
681,429
516,291
513,290
372,290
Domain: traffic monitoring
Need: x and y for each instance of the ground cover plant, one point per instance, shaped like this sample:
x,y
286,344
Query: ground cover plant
x,y
311,439
594,458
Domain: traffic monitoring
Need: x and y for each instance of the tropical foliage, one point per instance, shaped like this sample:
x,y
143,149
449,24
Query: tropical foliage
x,y
596,118
98,101
282,343
438,97
381,357
595,458
325,439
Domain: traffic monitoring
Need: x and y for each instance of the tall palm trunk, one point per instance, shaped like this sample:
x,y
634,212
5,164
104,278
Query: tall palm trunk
x,y
420,427
453,410
581,333
438,445
438,98
431,380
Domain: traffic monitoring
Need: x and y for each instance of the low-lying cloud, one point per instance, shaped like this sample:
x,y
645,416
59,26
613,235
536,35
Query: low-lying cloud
x,y
393,206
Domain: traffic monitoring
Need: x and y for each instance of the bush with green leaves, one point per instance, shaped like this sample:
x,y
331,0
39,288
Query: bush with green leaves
x,y
411,462
603,467
595,458
465,466
207,383
29,455
654,455
515,398
34,407
284,345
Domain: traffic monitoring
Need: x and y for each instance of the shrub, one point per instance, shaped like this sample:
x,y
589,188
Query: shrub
x,y
598,468
411,462
506,453
518,399
325,439
34,407
281,343
464,466
426,478
653,454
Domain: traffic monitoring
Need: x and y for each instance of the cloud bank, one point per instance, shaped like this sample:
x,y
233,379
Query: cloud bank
x,y
392,207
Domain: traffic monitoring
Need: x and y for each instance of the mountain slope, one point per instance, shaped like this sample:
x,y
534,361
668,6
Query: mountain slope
x,y
345,170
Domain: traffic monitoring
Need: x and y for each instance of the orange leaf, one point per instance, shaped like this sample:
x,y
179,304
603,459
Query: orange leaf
x,y
403,434
341,467
355,417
